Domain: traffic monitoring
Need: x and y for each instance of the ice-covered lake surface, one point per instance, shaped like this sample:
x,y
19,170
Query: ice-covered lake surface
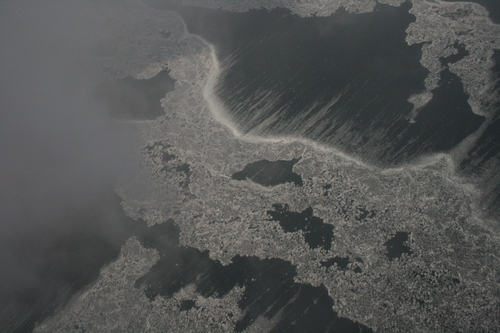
x,y
323,167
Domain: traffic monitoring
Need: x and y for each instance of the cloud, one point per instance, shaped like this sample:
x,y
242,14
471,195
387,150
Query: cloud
x,y
60,153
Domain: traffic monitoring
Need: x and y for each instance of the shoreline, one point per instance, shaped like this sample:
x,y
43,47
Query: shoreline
x,y
219,113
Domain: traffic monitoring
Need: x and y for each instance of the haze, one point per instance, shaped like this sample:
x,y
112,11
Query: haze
x,y
60,153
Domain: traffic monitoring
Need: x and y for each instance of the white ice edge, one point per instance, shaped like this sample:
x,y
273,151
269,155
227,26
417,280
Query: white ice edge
x,y
220,114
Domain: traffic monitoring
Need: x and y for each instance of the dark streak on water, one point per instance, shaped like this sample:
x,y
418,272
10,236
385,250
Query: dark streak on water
x,y
362,59
270,173
316,232
269,285
135,99
396,246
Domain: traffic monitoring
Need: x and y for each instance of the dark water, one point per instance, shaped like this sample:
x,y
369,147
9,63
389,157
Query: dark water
x,y
282,71
187,305
270,173
447,115
269,285
483,160
339,261
342,263
76,258
461,53
343,80
135,99
362,213
59,259
316,232
396,246
42,266
172,164
493,7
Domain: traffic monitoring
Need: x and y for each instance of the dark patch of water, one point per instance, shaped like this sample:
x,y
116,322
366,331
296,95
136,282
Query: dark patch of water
x,y
269,285
135,99
171,163
327,189
448,115
461,53
339,261
187,305
493,7
270,173
396,246
342,263
185,170
316,232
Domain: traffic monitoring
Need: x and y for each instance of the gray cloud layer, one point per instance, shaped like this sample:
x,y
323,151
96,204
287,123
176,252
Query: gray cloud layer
x,y
59,152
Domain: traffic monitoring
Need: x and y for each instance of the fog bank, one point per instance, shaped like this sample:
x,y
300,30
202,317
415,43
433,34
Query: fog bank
x,y
60,152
